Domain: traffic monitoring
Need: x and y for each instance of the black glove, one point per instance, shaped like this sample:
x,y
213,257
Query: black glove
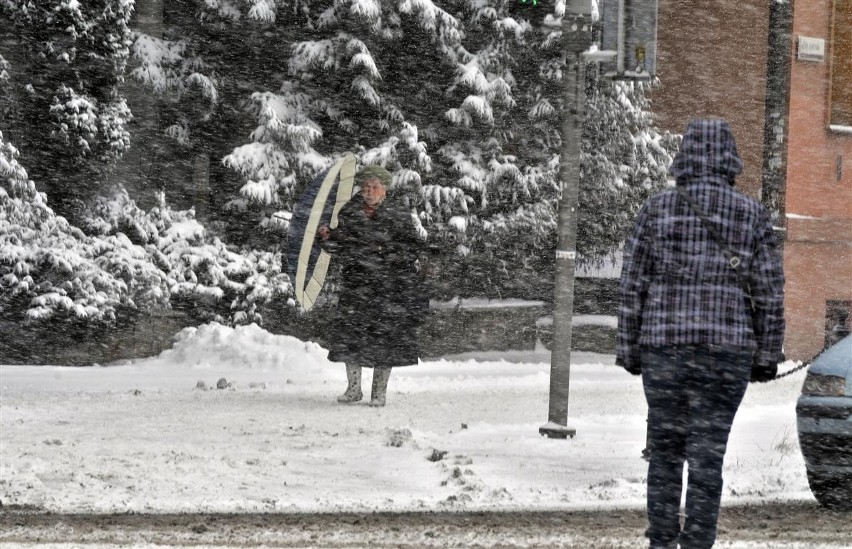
x,y
761,372
632,364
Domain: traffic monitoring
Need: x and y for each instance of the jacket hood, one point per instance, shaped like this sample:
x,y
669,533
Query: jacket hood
x,y
707,149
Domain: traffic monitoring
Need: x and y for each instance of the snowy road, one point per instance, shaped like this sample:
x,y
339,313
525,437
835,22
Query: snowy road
x,y
795,525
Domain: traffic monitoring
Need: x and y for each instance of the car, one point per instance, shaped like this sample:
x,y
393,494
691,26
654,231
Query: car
x,y
824,419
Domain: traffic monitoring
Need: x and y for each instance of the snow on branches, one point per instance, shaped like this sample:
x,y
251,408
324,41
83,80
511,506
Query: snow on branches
x,y
165,66
70,61
88,126
48,267
284,126
460,100
198,270
125,259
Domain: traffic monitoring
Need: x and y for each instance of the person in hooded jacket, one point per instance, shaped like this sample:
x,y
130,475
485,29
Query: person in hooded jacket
x,y
686,324
382,298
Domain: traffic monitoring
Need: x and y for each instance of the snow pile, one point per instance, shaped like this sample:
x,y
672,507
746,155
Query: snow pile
x,y
215,346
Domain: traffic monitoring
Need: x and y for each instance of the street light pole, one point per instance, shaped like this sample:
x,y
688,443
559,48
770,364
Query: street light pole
x,y
576,38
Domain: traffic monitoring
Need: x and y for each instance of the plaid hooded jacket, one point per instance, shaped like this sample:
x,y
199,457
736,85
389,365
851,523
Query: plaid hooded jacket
x,y
676,286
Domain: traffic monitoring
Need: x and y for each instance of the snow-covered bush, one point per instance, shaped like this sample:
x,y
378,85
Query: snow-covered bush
x,y
202,275
50,269
216,282
127,259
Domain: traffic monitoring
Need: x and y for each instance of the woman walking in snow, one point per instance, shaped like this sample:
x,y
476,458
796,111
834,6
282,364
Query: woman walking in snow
x,y
699,256
382,297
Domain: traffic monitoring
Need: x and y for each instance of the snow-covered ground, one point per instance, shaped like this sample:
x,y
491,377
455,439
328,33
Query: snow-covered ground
x,y
459,433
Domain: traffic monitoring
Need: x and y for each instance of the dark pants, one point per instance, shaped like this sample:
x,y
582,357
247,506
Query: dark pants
x,y
693,392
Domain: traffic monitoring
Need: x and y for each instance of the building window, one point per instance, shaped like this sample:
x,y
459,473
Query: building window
x,y
837,317
841,64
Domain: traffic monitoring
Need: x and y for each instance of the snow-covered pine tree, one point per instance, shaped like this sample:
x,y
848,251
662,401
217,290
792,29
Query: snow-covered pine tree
x,y
461,99
365,79
512,234
496,157
58,276
51,273
191,72
61,101
387,80
625,160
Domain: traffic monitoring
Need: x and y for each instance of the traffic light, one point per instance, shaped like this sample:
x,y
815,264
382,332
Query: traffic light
x,y
533,11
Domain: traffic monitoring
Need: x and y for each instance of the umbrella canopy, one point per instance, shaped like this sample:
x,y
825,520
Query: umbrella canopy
x,y
319,205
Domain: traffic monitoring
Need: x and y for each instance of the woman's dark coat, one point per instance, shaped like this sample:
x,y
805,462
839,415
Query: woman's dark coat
x,y
382,299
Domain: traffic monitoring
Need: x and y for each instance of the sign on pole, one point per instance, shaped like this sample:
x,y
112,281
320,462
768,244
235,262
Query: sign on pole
x,y
629,28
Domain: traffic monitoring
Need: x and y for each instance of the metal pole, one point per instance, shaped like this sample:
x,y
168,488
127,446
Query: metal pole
x,y
619,60
576,36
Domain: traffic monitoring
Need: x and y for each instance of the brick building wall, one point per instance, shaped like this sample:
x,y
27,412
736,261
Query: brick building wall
x,y
711,61
818,249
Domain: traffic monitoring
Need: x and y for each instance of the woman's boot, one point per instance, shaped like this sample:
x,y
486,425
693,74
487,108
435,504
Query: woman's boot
x,y
380,386
353,389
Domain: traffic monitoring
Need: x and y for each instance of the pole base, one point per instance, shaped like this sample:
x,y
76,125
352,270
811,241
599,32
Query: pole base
x,y
555,430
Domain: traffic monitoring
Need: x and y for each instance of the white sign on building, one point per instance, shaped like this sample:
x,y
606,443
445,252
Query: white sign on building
x,y
811,49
